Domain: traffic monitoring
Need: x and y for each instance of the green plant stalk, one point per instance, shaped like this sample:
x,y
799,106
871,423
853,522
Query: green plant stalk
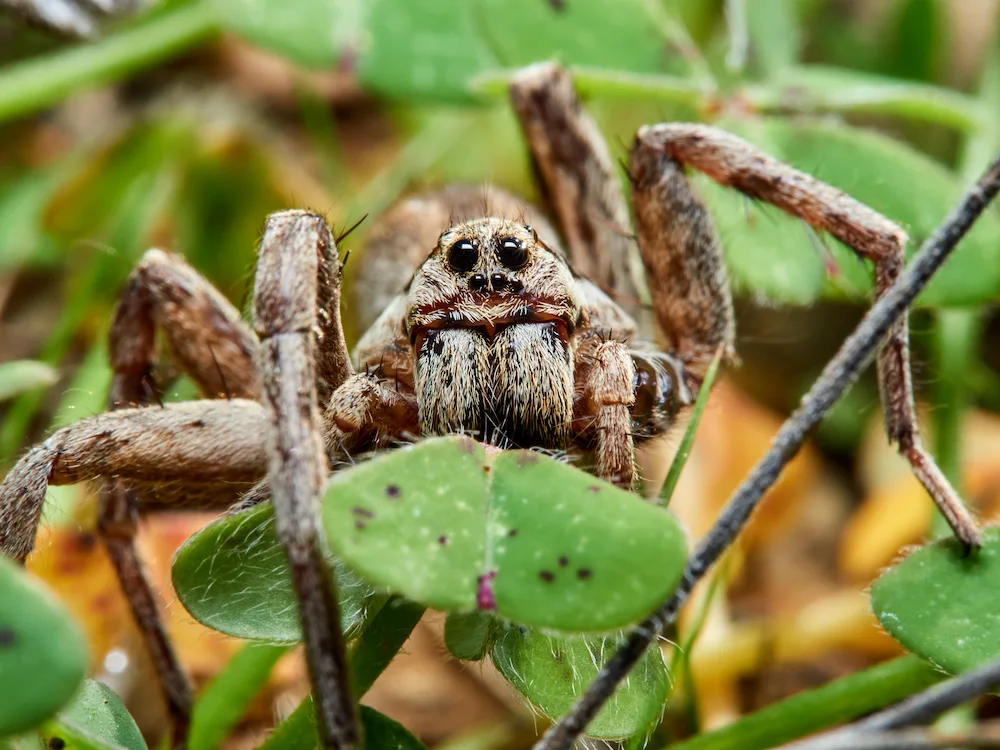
x,y
955,347
594,82
956,333
23,409
45,80
835,703
684,449
224,701
369,657
381,640
680,659
677,37
955,359
810,89
500,736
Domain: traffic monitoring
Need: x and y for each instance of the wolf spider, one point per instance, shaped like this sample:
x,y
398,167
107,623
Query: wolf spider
x,y
498,332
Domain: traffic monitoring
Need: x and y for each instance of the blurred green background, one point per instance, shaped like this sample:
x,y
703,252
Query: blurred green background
x,y
185,123
188,121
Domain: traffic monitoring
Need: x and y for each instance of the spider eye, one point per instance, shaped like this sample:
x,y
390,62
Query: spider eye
x,y
513,254
463,255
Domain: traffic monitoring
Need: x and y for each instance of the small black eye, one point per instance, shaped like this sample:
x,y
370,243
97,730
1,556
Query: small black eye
x,y
512,253
463,255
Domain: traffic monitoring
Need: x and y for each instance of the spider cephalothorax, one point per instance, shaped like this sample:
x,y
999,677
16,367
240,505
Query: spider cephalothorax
x,y
493,334
491,315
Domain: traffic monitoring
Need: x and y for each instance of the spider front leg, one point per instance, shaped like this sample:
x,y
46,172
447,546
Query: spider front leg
x,y
623,397
294,275
208,340
211,344
579,180
199,448
602,406
687,279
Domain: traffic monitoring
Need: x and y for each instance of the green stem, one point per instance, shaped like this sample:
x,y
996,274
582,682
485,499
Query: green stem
x,y
956,333
739,36
595,82
680,42
369,657
224,700
816,89
639,86
956,344
835,703
687,442
45,80
381,640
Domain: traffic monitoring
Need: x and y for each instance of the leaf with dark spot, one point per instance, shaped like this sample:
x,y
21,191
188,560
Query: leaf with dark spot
x,y
493,525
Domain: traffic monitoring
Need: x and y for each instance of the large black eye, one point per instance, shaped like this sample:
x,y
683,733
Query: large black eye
x,y
463,255
512,253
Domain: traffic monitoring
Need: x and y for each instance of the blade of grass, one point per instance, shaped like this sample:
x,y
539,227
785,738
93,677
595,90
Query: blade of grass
x,y
369,657
773,35
810,89
383,637
224,700
956,333
684,449
680,661
45,80
739,36
679,42
595,82
24,375
955,348
835,703
127,230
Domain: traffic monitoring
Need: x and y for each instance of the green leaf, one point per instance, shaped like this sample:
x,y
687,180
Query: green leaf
x,y
941,604
232,577
24,375
426,50
586,556
383,733
552,672
41,645
539,541
818,89
310,32
912,45
769,255
94,720
774,35
224,701
469,635
21,237
412,521
435,48
298,731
